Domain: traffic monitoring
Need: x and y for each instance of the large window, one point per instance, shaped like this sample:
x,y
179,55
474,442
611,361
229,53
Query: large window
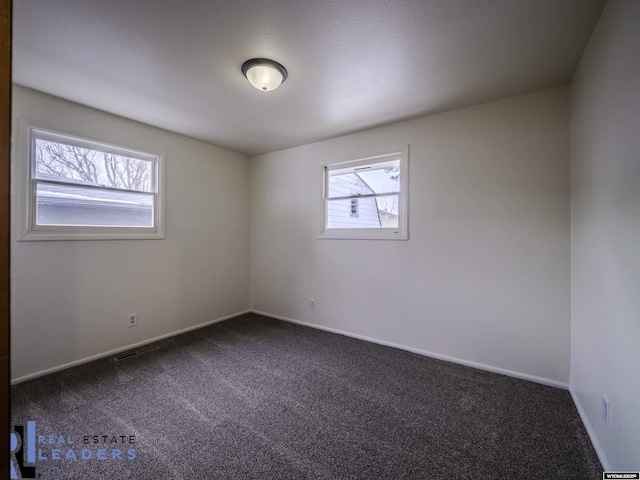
x,y
78,189
367,198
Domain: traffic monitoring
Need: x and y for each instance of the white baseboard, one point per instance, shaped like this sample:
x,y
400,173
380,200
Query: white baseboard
x,y
510,373
467,363
122,349
591,432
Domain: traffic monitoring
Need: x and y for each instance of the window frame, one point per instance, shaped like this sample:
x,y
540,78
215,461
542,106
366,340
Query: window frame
x,y
400,233
26,185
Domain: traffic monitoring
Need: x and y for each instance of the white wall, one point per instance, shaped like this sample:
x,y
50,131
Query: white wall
x,y
605,199
484,277
70,300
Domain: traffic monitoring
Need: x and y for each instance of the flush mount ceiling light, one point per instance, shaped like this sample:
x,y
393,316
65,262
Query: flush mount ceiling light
x,y
264,74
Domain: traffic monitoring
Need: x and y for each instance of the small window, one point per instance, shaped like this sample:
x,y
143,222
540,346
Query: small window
x,y
79,189
366,198
355,210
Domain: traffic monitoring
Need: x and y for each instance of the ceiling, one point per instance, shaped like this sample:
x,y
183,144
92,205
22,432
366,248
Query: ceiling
x,y
352,65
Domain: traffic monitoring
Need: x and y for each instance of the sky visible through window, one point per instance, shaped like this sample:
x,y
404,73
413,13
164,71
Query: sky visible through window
x,y
383,180
92,167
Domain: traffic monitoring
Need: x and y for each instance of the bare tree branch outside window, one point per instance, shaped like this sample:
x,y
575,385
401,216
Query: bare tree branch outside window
x,y
87,166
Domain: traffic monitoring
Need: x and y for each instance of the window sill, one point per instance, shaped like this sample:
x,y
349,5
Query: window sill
x,y
363,234
36,236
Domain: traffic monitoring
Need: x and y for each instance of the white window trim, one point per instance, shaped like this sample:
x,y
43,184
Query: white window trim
x,y
400,233
24,191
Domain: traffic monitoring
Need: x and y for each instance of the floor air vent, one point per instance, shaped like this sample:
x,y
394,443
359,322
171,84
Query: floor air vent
x,y
135,353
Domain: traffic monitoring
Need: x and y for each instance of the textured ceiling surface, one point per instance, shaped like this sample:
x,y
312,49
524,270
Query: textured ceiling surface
x,y
352,65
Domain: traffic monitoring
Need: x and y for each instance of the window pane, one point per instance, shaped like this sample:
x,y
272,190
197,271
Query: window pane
x,y
388,210
372,212
63,162
78,206
370,179
388,219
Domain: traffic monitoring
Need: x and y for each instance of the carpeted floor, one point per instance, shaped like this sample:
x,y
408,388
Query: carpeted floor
x,y
257,398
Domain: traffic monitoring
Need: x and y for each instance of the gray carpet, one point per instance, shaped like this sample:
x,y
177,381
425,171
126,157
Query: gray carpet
x,y
257,398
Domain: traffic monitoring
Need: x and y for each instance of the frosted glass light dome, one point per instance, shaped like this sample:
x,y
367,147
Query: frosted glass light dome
x,y
264,74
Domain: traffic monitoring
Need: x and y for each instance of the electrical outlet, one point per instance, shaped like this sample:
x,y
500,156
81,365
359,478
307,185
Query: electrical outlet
x,y
133,319
606,411
312,303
